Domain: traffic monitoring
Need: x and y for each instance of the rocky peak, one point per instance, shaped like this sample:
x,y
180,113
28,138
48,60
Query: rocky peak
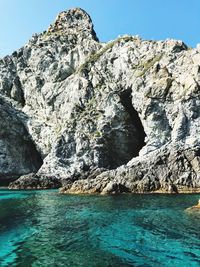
x,y
75,19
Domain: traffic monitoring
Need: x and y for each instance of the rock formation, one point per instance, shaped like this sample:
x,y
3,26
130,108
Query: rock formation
x,y
94,117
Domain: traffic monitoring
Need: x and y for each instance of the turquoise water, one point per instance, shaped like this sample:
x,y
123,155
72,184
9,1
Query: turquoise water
x,y
43,228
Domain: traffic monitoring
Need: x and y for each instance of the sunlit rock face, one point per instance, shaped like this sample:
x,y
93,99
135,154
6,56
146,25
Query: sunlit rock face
x,y
113,117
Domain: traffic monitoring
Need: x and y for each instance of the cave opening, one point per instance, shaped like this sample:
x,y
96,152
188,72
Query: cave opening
x,y
126,100
25,159
125,142
23,155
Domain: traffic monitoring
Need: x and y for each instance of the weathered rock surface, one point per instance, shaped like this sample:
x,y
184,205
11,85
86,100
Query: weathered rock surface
x,y
104,118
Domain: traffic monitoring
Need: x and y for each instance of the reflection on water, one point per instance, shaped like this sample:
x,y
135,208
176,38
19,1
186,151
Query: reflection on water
x,y
43,228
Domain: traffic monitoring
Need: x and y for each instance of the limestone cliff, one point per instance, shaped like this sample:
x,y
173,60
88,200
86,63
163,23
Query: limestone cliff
x,y
113,117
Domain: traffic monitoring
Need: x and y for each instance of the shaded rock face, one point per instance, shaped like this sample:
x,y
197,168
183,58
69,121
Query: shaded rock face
x,y
18,154
113,117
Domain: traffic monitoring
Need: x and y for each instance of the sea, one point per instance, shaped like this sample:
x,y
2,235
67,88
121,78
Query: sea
x,y
45,228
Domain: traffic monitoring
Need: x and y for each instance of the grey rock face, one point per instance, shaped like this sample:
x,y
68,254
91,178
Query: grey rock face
x,y
105,118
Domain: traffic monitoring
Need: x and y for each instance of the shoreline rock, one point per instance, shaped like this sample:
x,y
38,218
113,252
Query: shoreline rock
x,y
32,181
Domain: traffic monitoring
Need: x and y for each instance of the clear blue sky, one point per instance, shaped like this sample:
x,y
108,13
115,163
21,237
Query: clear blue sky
x,y
151,19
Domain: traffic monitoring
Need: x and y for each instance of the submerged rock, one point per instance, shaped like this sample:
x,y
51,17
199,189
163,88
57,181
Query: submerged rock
x,y
107,118
195,208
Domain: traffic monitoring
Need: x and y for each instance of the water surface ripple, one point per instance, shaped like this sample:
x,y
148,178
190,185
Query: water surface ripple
x,y
43,228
